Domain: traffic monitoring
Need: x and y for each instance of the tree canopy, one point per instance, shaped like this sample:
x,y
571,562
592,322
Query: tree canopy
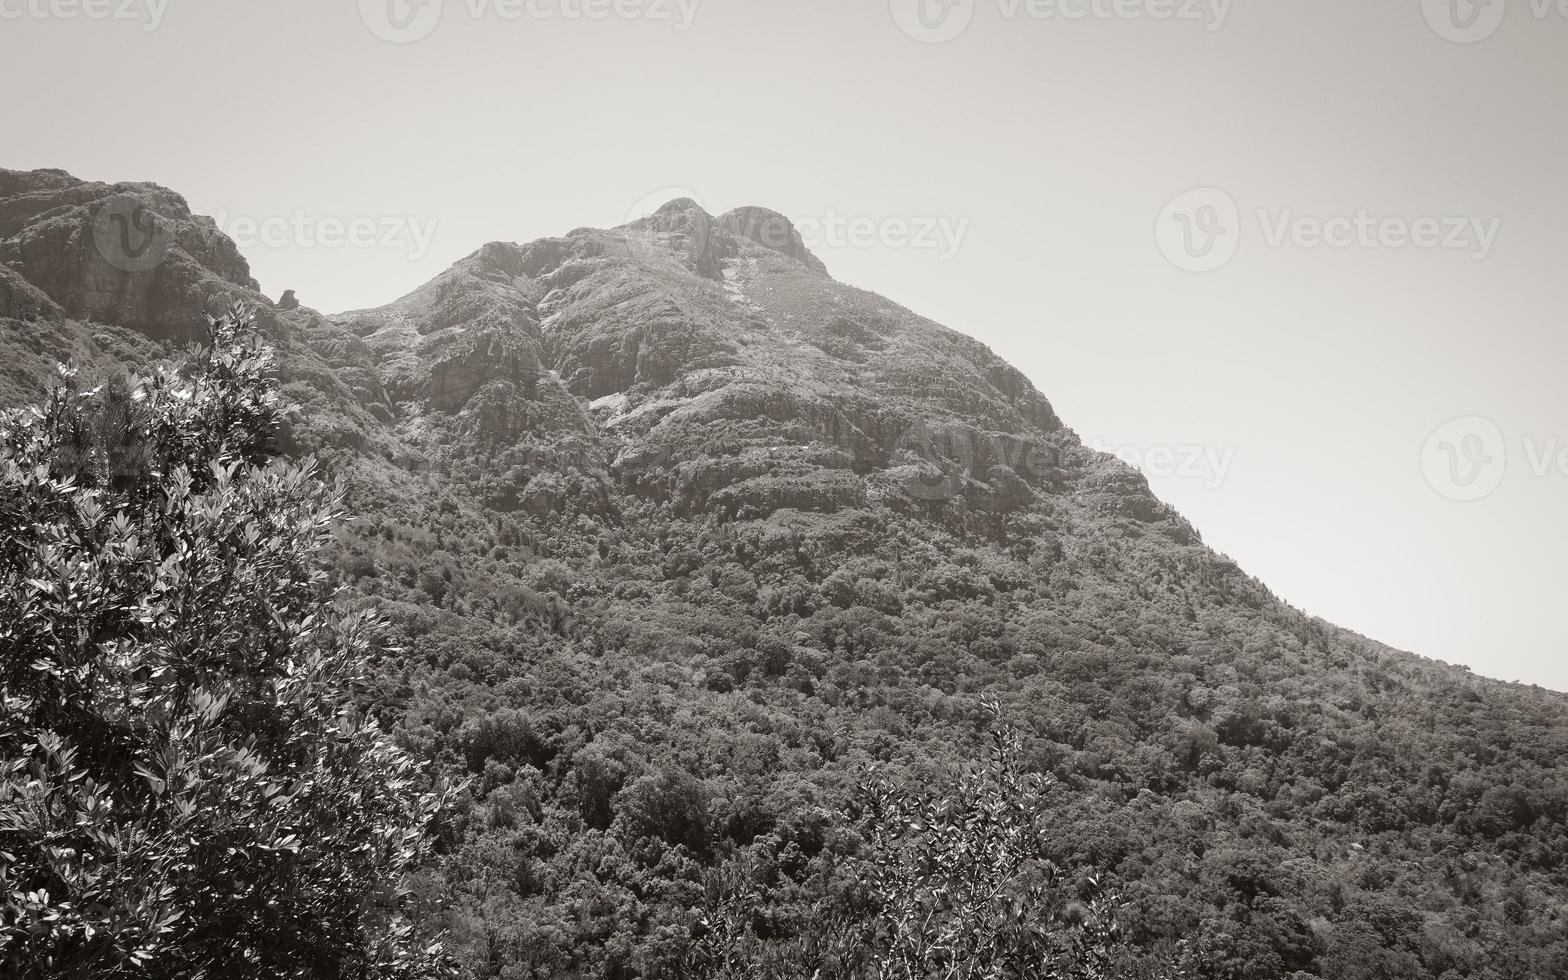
x,y
186,787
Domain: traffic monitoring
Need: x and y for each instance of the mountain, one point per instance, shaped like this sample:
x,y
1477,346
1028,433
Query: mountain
x,y
680,536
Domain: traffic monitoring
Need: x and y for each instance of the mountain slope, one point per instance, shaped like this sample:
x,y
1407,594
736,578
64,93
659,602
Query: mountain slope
x,y
681,534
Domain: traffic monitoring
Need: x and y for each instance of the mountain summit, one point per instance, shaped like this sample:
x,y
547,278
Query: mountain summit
x,y
681,536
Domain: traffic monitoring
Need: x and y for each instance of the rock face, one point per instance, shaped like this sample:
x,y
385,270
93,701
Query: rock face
x,y
771,230
468,346
689,231
677,338
711,353
21,300
696,358
128,254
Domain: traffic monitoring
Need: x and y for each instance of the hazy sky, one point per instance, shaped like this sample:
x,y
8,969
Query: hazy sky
x,y
1272,251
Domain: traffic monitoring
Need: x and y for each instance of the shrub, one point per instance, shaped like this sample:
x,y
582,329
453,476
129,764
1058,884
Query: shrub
x,y
187,791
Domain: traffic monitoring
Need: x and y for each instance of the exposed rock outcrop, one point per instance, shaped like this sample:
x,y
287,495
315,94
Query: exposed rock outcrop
x,y
713,358
772,231
21,300
692,233
130,254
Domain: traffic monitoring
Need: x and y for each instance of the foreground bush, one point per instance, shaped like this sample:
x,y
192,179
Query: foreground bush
x,y
184,789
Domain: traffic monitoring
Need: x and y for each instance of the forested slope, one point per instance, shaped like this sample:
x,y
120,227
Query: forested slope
x,y
681,537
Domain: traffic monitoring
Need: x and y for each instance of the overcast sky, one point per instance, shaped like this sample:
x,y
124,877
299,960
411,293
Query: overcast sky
x,y
1304,262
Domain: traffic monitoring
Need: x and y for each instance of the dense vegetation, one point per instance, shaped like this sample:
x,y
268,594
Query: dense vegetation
x,y
189,789
185,787
662,709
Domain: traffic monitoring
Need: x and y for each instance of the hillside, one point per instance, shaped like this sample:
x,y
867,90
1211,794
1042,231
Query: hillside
x,y
681,535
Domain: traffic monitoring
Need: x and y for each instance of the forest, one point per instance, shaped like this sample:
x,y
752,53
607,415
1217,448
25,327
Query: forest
x,y
646,604
262,724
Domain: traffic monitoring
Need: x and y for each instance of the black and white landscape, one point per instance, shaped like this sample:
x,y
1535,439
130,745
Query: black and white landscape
x,y
652,601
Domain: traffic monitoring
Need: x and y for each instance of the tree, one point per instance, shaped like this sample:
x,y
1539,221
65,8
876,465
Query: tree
x,y
186,789
951,883
963,886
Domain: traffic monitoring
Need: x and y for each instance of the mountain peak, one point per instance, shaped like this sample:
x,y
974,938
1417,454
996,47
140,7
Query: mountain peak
x,y
708,242
680,205
772,230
